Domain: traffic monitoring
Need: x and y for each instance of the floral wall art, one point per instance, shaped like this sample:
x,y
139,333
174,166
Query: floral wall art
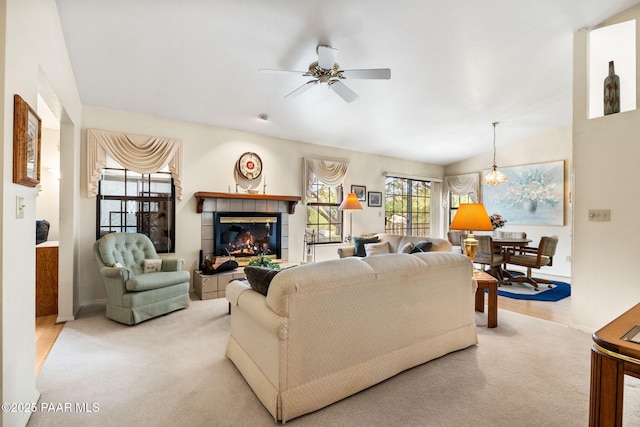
x,y
534,194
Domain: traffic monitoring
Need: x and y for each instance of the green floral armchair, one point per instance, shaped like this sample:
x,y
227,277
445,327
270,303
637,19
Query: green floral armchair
x,y
140,285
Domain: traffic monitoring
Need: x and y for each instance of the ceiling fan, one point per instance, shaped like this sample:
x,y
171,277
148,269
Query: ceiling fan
x,y
326,70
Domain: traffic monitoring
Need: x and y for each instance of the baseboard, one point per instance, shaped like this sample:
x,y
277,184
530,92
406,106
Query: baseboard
x,y
61,319
24,419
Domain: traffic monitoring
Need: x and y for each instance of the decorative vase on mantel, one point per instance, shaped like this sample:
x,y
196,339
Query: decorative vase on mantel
x,y
611,92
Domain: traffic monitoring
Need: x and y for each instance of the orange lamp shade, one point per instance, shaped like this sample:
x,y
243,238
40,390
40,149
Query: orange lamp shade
x,y
350,203
472,217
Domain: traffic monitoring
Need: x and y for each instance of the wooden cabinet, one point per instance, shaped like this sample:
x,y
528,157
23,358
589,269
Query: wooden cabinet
x,y
47,278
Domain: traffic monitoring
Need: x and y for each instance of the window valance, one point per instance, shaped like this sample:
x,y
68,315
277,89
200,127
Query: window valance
x,y
330,172
141,154
462,185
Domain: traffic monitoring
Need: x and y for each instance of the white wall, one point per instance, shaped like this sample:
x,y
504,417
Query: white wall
x,y
555,145
210,155
33,45
606,152
48,200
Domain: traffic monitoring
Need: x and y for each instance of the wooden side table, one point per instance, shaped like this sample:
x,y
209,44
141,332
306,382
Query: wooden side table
x,y
611,359
487,281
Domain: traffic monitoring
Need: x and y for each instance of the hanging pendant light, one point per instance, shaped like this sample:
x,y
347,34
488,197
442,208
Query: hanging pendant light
x,y
495,177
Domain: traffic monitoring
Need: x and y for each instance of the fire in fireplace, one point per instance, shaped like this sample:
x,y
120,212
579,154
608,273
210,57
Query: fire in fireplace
x,y
244,234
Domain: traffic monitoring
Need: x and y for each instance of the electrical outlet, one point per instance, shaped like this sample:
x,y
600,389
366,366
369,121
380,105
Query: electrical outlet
x,y
600,215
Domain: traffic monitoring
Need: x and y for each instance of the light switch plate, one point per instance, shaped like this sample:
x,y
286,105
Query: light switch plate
x,y
600,215
19,207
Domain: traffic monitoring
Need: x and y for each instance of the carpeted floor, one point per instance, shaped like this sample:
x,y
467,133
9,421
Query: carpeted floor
x,y
171,371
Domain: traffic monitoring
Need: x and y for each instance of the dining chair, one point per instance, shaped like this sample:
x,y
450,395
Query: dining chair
x,y
530,257
488,256
456,238
508,235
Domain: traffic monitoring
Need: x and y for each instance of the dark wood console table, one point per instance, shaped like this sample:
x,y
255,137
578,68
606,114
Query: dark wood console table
x,y
47,278
611,359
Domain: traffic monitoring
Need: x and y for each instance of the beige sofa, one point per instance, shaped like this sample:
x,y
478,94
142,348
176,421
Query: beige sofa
x,y
397,242
325,331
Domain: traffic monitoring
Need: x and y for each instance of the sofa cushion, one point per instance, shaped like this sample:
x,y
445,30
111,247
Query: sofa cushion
x,y
259,278
379,248
407,248
359,242
422,246
144,282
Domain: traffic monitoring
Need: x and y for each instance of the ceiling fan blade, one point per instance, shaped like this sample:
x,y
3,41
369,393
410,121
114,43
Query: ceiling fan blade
x,y
372,73
269,71
343,91
327,57
305,87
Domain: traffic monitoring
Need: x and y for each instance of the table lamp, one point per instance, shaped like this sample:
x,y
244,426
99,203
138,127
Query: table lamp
x,y
471,216
350,203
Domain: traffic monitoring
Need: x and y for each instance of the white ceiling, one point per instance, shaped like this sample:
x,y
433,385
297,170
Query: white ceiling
x,y
456,67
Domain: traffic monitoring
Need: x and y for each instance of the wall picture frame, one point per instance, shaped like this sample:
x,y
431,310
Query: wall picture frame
x,y
360,191
27,138
534,194
375,199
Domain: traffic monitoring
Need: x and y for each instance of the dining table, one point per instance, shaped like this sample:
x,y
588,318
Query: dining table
x,y
504,244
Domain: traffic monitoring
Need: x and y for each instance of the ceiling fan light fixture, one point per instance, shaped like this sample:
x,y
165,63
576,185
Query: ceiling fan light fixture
x,y
495,177
326,70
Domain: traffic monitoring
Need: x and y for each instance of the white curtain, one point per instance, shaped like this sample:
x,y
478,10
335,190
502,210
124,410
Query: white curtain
x,y
330,172
461,185
141,154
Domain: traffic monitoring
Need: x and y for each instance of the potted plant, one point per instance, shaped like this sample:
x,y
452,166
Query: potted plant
x,y
264,261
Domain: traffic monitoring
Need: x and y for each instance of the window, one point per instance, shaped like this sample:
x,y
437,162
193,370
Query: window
x,y
407,206
323,215
454,203
137,203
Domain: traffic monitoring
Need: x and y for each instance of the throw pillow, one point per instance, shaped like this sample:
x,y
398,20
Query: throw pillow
x,y
406,248
359,242
259,278
422,246
152,265
372,249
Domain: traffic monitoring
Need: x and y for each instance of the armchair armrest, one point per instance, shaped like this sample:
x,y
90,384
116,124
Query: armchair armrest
x,y
172,264
114,280
121,273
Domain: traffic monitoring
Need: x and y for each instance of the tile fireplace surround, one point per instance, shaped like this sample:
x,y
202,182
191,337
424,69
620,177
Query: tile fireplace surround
x,y
210,203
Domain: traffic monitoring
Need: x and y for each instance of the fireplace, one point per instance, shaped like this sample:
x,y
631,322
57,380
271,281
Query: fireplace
x,y
245,234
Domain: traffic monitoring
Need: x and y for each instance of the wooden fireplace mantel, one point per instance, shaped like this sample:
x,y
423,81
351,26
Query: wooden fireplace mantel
x,y
291,200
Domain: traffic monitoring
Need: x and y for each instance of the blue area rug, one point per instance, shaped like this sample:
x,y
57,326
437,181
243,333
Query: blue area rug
x,y
558,291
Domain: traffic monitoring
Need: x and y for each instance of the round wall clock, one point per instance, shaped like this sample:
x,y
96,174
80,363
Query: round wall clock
x,y
249,165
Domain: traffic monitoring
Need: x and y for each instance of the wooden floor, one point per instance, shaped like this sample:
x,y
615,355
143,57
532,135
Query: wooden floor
x,y
558,311
47,330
